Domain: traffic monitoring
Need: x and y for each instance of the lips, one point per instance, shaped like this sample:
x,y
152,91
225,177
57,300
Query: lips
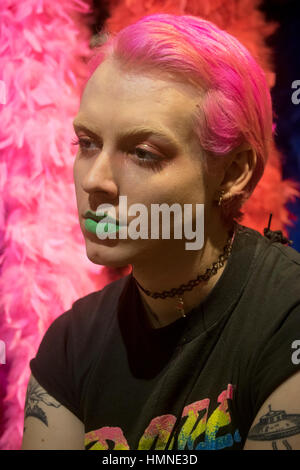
x,y
92,220
92,215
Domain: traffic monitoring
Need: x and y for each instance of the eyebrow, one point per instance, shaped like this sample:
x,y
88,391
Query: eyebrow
x,y
142,131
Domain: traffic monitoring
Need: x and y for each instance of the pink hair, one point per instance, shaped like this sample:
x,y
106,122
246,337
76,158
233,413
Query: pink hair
x,y
235,104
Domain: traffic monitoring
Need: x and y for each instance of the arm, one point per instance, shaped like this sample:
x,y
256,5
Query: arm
x,y
48,424
277,424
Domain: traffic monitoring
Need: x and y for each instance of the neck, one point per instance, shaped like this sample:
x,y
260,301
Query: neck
x,y
172,268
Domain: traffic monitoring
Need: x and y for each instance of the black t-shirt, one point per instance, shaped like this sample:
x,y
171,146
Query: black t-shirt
x,y
194,384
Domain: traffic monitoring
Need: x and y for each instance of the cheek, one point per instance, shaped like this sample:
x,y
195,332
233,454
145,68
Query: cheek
x,y
172,183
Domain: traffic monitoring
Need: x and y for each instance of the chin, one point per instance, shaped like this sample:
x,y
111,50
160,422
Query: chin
x,y
108,253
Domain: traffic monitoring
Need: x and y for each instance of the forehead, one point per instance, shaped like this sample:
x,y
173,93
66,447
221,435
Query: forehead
x,y
115,97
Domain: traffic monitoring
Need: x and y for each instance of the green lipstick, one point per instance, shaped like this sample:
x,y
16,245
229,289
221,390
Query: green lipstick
x,y
93,223
91,226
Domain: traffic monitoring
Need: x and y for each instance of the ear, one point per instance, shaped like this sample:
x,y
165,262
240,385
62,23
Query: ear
x,y
239,169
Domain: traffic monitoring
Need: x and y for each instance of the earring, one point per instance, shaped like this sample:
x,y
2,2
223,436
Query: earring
x,y
221,197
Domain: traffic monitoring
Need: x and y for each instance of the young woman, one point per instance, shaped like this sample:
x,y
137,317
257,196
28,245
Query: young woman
x,y
195,348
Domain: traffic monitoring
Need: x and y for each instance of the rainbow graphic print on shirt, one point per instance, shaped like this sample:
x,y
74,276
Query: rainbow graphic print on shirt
x,y
158,434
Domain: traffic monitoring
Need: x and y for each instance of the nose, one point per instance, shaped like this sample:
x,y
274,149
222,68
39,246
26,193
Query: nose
x,y
100,175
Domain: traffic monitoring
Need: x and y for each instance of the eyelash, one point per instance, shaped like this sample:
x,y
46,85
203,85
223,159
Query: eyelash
x,y
155,163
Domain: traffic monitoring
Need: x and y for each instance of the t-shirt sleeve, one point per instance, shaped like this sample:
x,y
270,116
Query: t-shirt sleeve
x,y
52,366
278,359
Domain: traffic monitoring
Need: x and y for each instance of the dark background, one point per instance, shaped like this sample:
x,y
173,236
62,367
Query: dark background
x,y
285,43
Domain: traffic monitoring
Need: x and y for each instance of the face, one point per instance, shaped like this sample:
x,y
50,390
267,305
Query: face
x,y
160,165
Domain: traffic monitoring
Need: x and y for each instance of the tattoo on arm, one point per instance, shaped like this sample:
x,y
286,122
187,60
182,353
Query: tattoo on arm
x,y
34,397
276,425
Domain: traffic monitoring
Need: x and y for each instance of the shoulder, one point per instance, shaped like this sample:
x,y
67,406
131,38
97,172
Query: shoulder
x,y
92,305
263,240
269,316
271,289
72,341
76,330
276,266
94,313
270,303
267,319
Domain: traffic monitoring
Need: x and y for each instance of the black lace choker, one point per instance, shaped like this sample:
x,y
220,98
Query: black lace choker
x,y
179,291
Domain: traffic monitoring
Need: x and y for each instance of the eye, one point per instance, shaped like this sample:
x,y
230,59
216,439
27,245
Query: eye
x,y
152,160
83,144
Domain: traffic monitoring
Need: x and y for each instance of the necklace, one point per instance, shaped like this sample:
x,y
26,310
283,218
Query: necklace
x,y
179,291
